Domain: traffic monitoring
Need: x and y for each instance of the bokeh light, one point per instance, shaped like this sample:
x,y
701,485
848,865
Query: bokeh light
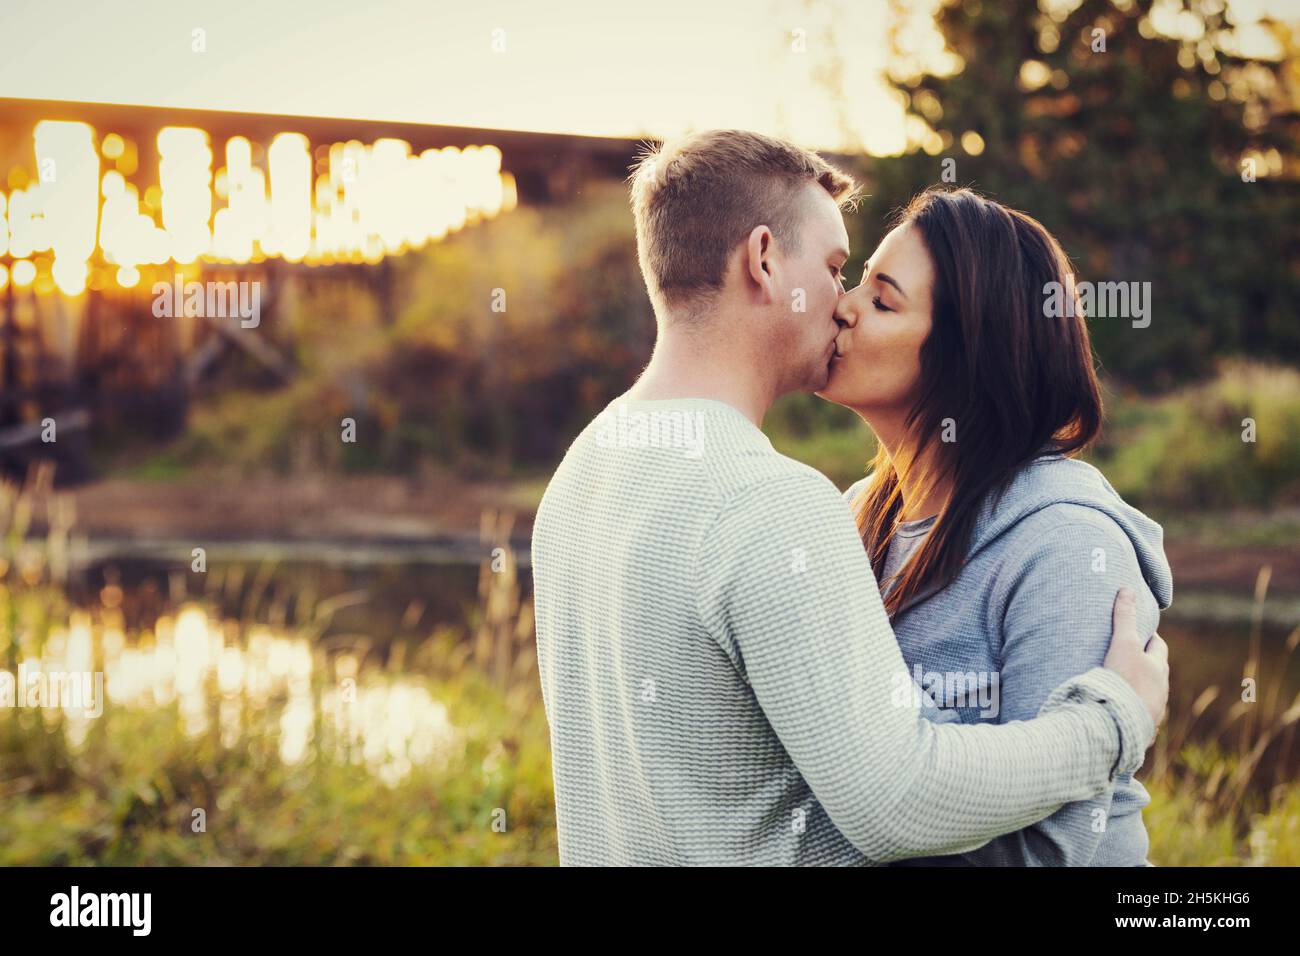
x,y
353,203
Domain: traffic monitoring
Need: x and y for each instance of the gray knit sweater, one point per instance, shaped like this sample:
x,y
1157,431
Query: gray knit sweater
x,y
721,682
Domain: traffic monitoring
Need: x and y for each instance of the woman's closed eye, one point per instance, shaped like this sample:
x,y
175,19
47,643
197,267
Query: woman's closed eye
x,y
876,301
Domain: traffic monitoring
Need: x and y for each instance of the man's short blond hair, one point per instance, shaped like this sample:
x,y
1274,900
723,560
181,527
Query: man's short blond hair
x,y
695,198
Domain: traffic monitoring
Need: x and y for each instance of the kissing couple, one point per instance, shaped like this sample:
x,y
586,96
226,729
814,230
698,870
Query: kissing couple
x,y
722,635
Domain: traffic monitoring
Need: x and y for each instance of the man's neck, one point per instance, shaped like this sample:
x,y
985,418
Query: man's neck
x,y
696,364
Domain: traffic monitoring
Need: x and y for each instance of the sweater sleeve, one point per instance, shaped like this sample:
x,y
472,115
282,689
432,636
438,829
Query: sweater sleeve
x,y
785,587
1057,621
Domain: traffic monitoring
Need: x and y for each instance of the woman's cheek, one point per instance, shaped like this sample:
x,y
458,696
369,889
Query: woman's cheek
x,y
898,370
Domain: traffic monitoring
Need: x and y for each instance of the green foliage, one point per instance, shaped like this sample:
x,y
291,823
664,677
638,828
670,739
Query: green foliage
x,y
1168,453
450,380
1275,836
125,794
123,790
1189,825
1186,449
127,797
1132,158
830,438
1184,833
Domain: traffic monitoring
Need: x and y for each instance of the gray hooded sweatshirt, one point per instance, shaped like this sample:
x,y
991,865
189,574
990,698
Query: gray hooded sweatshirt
x,y
1030,608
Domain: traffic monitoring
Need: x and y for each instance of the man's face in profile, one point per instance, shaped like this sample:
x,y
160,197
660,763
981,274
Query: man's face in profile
x,y
806,337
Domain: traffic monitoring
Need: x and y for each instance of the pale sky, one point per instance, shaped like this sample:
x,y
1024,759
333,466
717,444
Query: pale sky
x,y
587,66
654,67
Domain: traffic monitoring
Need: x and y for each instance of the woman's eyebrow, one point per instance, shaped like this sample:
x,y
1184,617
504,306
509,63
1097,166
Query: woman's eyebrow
x,y
885,277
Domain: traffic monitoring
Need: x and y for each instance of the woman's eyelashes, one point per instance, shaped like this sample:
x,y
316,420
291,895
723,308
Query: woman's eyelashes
x,y
875,299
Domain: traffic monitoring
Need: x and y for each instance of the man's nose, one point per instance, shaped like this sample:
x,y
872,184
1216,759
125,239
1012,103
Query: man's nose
x,y
845,314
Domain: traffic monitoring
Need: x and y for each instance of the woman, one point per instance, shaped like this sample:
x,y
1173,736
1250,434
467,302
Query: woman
x,y
998,556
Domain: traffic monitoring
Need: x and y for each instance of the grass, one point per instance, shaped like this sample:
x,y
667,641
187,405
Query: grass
x,y
130,787
1219,776
130,798
1230,442
139,786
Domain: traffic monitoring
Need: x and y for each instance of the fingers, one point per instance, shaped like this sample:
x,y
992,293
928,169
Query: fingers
x,y
1158,649
1124,617
1158,652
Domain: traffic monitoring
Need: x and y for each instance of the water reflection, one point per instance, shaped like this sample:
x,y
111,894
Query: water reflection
x,y
241,685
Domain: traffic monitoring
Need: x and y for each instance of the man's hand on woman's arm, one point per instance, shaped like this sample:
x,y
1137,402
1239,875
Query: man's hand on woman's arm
x,y
1146,670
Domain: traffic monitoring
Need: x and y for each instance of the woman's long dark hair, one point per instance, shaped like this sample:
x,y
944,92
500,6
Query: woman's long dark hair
x,y
1012,380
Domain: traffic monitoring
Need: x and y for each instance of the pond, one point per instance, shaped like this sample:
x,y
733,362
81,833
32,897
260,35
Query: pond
x,y
246,620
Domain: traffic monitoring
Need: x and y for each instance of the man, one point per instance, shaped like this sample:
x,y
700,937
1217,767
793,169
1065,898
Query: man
x,y
718,671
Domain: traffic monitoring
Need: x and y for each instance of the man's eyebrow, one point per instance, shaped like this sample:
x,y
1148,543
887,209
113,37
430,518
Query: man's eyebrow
x,y
886,278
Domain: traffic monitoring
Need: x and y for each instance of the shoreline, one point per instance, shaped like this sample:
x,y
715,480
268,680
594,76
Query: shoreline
x,y
440,518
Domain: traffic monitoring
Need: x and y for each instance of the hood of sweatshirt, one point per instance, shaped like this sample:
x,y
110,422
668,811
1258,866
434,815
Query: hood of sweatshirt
x,y
1054,479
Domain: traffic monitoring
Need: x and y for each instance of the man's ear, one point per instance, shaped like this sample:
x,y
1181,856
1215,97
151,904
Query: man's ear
x,y
758,262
